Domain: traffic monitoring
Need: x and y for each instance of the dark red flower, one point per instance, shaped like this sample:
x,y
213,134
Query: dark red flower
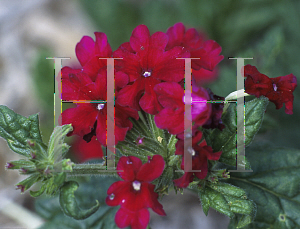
x,y
147,63
278,90
171,97
135,193
201,153
208,51
85,151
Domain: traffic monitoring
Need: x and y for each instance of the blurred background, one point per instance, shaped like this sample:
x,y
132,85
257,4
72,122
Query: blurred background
x,y
31,30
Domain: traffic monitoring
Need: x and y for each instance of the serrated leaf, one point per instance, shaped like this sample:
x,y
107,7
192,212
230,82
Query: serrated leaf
x,y
90,188
225,140
17,129
227,199
273,186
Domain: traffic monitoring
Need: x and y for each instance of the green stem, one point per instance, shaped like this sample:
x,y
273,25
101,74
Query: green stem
x,y
91,169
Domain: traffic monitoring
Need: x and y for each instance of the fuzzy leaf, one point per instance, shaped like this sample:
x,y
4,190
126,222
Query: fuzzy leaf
x,y
273,186
17,129
227,199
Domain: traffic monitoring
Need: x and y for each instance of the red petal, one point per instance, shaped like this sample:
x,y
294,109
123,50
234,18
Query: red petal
x,y
148,101
130,166
102,47
203,76
141,219
117,192
158,40
151,169
136,200
123,218
285,86
93,66
85,50
81,117
140,38
179,147
170,94
130,95
101,126
154,204
208,151
167,67
197,137
184,181
121,80
87,151
166,118
130,64
122,114
256,83
99,88
202,165
192,40
175,34
208,54
120,133
74,84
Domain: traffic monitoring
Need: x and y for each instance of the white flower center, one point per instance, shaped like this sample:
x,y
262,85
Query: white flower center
x,y
147,74
100,106
275,87
136,185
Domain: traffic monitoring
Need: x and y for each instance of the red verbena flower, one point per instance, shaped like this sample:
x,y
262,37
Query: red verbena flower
x,y
278,90
171,97
135,193
147,63
200,154
207,50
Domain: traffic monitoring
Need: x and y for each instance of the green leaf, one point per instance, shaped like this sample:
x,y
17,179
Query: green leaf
x,y
69,204
17,129
227,199
273,186
90,189
225,140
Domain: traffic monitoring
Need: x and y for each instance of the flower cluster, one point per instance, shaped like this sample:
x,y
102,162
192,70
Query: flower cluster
x,y
149,77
